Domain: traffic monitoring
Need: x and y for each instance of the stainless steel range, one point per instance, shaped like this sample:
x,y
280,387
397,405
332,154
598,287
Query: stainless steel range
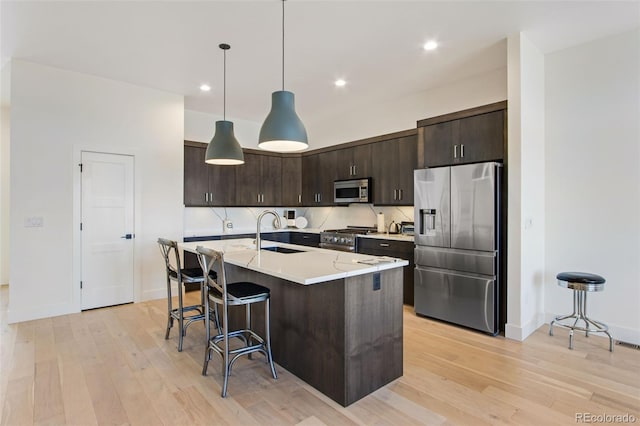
x,y
343,239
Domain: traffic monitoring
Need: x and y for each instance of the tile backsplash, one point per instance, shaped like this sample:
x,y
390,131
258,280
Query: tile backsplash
x,y
200,221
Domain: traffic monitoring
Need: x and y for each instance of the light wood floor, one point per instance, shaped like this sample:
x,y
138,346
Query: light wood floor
x,y
113,366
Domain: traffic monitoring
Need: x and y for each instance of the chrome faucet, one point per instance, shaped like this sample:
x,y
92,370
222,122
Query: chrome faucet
x,y
264,213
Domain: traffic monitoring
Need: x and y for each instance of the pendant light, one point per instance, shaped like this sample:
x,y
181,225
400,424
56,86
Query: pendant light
x,y
282,130
224,149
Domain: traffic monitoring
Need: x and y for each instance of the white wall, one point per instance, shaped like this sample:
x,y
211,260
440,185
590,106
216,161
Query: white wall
x,y
54,114
199,127
5,116
402,112
526,177
593,177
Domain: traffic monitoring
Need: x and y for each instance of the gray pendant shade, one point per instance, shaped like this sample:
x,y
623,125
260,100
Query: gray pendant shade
x,y
224,148
283,130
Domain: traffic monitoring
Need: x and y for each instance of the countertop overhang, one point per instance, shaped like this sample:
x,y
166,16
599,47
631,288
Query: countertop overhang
x,y
310,266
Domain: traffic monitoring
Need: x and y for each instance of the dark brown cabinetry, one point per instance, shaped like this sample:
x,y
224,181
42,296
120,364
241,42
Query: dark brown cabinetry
x,y
469,136
392,170
353,162
292,181
318,174
393,248
259,180
304,239
206,184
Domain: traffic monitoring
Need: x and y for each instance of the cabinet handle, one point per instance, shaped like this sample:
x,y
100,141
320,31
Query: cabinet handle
x,y
395,194
384,245
211,197
305,237
400,197
258,198
319,197
299,198
455,151
461,151
206,197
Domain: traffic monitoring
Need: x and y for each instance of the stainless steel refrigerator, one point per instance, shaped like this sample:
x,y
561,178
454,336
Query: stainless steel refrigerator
x,y
457,239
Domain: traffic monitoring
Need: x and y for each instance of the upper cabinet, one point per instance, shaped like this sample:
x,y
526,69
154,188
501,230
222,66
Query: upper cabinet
x,y
259,180
469,136
353,162
392,170
205,184
292,181
318,174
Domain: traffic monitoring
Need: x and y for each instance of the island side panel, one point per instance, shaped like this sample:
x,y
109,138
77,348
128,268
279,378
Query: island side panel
x,y
307,328
373,332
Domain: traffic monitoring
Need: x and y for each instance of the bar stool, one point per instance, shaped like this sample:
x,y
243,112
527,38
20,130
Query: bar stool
x,y
218,292
581,283
185,315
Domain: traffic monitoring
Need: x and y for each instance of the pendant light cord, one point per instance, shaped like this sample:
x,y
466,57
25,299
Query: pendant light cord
x,y
283,45
224,86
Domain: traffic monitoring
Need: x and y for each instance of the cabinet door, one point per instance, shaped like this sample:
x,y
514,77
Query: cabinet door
x,y
344,163
270,181
196,185
222,185
481,137
438,143
310,179
291,181
406,164
362,161
326,176
248,181
385,157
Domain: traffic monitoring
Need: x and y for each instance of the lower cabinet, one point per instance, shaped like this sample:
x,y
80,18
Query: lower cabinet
x,y
309,239
393,248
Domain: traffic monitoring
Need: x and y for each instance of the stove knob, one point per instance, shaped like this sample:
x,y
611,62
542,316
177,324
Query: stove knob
x,y
342,240
335,239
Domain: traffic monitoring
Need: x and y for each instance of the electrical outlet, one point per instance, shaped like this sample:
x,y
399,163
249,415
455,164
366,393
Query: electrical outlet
x,y
376,281
34,222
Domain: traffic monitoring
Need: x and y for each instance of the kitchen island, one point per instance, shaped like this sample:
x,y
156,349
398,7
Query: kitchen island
x,y
336,317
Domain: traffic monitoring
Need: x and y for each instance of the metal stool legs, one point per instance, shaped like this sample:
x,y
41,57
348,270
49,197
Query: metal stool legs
x,y
580,314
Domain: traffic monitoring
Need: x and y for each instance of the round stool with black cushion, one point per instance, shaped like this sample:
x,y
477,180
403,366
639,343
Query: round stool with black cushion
x,y
580,283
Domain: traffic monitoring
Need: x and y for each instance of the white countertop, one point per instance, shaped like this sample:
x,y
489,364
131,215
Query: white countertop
x,y
312,265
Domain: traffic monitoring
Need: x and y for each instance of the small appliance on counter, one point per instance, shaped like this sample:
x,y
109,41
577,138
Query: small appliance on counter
x,y
407,228
290,216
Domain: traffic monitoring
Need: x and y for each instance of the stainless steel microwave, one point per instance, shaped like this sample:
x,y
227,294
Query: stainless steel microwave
x,y
352,191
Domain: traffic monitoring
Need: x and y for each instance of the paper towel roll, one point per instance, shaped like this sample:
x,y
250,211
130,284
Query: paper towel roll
x,y
380,222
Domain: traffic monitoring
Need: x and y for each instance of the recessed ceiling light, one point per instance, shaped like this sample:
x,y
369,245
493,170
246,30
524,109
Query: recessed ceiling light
x,y
205,87
430,45
340,82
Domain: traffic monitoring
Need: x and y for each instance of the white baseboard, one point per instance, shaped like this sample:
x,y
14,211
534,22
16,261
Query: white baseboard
x,y
521,332
41,312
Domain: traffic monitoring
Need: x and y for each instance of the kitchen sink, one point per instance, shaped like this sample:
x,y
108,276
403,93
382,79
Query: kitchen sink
x,y
283,250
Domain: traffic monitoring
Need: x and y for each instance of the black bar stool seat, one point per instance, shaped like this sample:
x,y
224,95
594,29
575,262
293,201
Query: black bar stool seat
x,y
580,283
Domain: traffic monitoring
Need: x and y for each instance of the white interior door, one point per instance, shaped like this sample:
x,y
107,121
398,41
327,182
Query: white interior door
x,y
107,229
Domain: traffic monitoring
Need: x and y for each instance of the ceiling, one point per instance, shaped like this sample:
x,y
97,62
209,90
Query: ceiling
x,y
376,46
